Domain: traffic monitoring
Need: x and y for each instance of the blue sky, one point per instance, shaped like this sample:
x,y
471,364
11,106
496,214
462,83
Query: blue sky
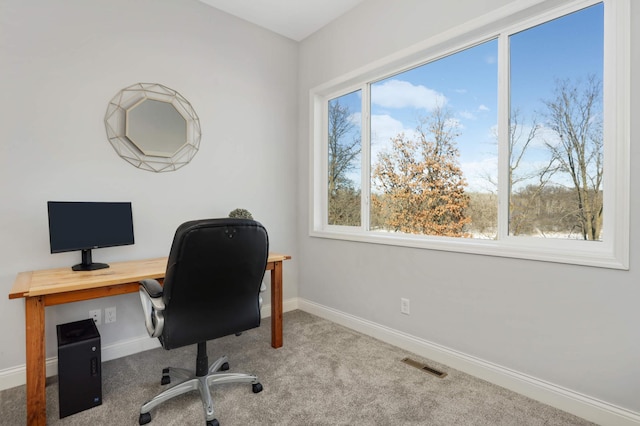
x,y
466,83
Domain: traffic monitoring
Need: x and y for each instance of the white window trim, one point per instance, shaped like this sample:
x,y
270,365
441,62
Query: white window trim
x,y
611,252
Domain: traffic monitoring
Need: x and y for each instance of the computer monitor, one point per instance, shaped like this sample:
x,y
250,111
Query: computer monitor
x,y
89,225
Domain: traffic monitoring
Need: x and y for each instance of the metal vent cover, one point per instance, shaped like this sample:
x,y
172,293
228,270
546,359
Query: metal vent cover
x,y
424,367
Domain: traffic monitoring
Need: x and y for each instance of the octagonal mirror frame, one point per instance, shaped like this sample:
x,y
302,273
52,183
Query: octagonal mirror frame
x,y
142,156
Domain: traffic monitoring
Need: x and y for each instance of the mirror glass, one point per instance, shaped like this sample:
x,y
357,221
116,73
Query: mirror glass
x,y
153,127
156,128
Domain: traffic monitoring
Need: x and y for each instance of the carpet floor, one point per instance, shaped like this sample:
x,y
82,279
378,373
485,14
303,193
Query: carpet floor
x,y
325,374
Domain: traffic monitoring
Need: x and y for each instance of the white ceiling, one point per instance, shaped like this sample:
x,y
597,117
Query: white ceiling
x,y
295,19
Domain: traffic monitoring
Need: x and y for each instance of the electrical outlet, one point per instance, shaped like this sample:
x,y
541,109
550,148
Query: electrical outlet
x,y
110,314
404,306
96,314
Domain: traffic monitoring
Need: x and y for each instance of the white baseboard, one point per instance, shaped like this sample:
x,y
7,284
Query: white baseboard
x,y
567,400
17,376
287,305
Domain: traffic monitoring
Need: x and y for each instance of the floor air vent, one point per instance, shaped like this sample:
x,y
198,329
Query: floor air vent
x,y
424,367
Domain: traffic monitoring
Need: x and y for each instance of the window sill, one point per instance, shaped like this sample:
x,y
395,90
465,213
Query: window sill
x,y
601,254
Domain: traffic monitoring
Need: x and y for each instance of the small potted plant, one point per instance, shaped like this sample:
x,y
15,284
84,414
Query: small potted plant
x,y
241,214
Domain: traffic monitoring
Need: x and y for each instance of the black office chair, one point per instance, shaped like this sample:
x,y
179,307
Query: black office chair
x,y
211,289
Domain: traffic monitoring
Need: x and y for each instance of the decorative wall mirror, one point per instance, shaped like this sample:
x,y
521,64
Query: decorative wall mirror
x,y
153,127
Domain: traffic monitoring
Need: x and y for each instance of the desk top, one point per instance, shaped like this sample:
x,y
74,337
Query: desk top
x,y
60,280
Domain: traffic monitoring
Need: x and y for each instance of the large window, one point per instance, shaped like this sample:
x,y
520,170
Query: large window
x,y
512,142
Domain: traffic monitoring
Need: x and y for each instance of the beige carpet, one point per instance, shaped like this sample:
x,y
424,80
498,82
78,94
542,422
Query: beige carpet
x,y
324,375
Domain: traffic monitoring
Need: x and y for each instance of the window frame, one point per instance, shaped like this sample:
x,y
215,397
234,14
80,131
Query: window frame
x,y
611,252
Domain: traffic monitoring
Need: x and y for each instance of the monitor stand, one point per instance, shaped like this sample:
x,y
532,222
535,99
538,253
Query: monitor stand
x,y
87,264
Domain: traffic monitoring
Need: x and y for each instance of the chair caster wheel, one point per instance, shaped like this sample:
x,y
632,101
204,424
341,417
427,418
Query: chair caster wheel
x,y
213,422
144,418
165,380
257,388
224,367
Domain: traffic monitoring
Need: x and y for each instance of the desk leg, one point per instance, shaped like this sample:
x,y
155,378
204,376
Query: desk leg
x,y
36,373
276,305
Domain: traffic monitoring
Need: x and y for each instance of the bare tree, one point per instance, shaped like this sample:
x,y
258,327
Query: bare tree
x,y
344,149
575,115
483,212
526,184
521,136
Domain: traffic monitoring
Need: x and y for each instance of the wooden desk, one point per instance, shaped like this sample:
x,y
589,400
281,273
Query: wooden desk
x,y
57,286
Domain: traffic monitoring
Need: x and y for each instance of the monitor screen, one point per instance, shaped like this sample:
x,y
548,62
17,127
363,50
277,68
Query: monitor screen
x,y
89,225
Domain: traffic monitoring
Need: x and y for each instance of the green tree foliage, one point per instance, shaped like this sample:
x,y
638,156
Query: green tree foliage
x,y
421,189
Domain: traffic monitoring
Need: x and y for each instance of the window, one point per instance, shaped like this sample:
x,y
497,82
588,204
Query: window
x,y
556,135
501,141
344,148
433,147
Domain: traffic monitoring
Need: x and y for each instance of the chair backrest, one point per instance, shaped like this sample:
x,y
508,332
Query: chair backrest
x,y
212,283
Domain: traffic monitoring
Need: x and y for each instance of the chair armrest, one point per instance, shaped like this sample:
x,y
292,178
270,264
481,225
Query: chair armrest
x,y
152,304
263,288
152,287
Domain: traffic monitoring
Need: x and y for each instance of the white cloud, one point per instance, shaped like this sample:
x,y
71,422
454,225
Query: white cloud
x,y
483,107
402,94
454,123
383,129
544,136
547,136
355,118
490,59
479,174
467,115
493,132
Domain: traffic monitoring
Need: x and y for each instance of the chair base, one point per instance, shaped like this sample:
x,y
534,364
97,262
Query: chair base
x,y
193,382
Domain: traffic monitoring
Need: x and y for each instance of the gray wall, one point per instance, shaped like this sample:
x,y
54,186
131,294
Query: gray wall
x,y
61,63
572,326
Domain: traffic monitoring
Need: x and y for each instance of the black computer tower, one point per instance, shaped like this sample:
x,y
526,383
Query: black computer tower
x,y
79,367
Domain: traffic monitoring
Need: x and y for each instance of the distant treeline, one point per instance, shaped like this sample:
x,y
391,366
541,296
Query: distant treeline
x,y
533,210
